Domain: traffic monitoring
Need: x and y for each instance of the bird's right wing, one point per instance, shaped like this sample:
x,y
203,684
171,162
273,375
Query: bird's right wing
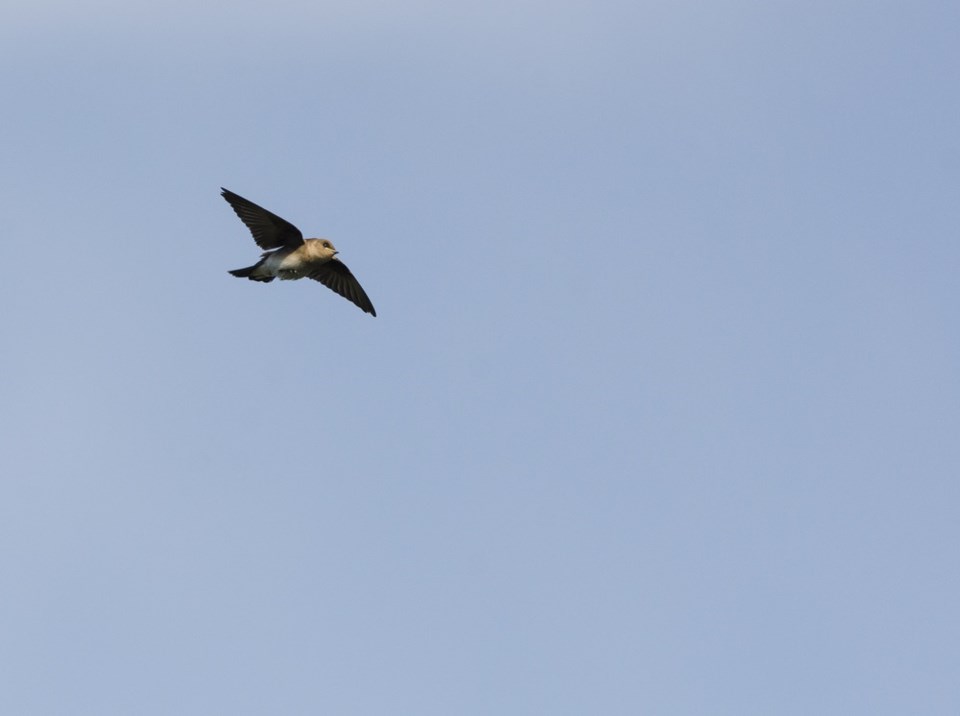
x,y
268,229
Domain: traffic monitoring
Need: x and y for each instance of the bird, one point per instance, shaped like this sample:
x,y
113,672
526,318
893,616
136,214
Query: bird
x,y
288,256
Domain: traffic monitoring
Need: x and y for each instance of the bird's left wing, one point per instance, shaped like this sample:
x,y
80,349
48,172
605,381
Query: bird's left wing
x,y
335,275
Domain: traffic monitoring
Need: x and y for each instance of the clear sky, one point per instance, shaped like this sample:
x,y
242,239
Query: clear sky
x,y
659,414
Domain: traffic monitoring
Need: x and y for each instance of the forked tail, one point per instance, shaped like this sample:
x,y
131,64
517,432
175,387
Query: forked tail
x,y
248,273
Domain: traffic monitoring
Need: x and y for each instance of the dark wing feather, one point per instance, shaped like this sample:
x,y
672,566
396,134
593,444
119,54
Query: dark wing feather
x,y
335,275
268,229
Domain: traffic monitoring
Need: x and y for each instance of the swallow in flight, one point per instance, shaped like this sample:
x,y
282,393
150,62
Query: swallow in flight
x,y
288,256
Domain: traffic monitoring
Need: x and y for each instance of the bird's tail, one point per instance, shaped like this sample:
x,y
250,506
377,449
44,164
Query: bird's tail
x,y
249,273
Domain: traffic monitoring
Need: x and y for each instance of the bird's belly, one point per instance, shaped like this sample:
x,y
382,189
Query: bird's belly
x,y
286,267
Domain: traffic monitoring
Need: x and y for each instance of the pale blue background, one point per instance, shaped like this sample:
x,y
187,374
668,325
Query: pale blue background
x,y
659,416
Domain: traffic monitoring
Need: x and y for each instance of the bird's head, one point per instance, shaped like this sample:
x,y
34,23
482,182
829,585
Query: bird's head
x,y
323,248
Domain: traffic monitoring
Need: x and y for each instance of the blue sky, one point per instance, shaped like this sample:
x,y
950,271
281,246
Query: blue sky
x,y
659,414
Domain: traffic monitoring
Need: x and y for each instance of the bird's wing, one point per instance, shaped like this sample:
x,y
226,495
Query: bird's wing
x,y
268,229
335,275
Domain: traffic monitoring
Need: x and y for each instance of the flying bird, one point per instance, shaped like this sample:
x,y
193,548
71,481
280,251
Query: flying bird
x,y
288,256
